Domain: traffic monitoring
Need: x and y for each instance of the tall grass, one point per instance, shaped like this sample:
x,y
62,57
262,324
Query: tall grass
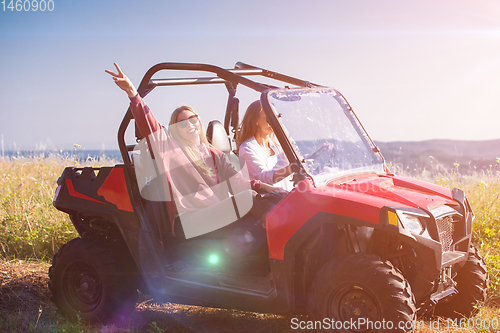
x,y
483,193
30,226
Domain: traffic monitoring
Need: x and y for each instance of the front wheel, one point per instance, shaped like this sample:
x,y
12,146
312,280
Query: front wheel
x,y
361,293
86,280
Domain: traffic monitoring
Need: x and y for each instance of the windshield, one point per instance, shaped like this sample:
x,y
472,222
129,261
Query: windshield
x,y
325,134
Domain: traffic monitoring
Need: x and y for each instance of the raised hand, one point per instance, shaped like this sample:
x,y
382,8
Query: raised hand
x,y
123,81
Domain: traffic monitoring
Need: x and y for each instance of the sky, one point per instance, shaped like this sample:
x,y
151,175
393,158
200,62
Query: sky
x,y
411,70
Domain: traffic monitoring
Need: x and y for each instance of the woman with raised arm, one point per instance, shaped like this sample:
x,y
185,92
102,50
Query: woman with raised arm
x,y
258,146
199,176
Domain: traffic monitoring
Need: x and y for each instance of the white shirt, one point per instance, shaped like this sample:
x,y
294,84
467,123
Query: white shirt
x,y
261,166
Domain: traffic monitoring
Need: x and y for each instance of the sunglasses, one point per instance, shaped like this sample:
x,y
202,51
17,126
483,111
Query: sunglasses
x,y
183,123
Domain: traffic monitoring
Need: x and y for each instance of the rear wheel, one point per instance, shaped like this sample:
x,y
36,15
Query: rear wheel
x,y
472,286
87,280
360,293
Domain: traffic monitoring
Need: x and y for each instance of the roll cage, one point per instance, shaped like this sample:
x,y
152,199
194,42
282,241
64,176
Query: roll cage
x,y
229,77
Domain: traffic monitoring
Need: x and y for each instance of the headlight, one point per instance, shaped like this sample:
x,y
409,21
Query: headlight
x,y
411,223
410,219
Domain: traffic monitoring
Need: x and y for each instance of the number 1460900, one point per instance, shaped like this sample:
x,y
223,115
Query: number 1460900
x,y
28,5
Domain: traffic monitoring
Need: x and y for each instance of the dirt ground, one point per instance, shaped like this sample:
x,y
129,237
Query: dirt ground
x,y
25,306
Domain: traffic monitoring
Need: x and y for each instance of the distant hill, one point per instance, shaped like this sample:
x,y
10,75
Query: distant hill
x,y
440,155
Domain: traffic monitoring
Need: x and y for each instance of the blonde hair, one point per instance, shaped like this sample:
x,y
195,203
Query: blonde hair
x,y
248,127
188,146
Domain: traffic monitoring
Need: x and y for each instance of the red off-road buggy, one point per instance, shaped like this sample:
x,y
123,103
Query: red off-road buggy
x,y
352,242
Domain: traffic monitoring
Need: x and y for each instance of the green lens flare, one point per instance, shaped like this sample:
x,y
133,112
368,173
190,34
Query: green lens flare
x,y
213,259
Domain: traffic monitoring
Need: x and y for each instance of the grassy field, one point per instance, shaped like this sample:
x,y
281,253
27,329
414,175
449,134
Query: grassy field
x,y
32,230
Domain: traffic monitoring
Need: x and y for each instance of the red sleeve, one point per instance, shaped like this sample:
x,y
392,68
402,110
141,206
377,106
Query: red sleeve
x,y
143,116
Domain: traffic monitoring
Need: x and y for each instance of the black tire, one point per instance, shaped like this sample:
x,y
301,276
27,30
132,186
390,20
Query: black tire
x,y
86,281
472,286
362,286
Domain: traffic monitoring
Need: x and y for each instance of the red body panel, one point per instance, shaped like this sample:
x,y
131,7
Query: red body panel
x,y
114,190
360,197
74,193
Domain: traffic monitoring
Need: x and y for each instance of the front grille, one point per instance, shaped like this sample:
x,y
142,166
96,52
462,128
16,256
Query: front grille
x,y
445,230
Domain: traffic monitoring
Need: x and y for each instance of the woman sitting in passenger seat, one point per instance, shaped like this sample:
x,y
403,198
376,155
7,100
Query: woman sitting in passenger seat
x,y
199,177
258,146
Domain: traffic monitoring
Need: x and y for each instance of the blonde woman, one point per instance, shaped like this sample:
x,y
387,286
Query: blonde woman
x,y
263,155
198,174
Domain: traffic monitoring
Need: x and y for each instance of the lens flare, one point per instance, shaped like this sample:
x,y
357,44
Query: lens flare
x,y
213,259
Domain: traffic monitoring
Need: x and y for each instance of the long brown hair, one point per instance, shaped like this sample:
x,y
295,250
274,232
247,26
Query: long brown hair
x,y
248,127
188,146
